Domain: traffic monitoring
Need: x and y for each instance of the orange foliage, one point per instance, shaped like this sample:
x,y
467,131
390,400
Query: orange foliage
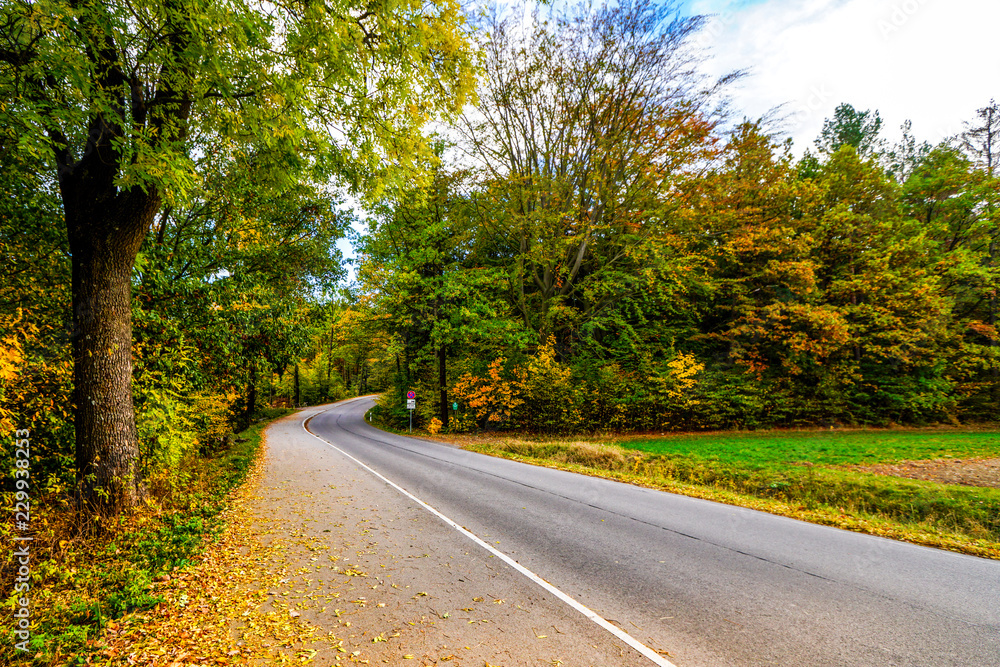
x,y
493,398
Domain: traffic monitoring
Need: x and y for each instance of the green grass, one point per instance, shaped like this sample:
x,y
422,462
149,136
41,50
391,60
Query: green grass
x,y
823,447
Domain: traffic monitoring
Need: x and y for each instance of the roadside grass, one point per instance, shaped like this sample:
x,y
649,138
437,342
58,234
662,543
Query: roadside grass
x,y
795,474
82,580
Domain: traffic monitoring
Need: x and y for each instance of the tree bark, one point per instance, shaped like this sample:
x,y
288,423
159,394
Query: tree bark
x,y
251,398
105,235
297,392
443,386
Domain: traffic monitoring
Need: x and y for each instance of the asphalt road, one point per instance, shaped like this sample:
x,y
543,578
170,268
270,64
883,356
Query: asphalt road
x,y
715,584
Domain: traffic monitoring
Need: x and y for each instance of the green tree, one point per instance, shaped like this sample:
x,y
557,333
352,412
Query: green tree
x,y
943,193
981,139
850,127
906,155
584,122
420,269
239,265
876,266
119,99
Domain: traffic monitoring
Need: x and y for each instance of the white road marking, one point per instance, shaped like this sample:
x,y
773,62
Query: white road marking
x,y
647,652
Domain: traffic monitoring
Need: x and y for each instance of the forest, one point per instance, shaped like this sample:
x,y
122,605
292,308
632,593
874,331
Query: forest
x,y
560,225
605,247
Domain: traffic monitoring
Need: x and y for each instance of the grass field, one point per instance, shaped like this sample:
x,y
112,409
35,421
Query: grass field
x,y
802,474
823,447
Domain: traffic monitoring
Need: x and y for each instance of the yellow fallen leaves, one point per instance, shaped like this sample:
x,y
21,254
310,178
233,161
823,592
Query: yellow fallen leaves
x,y
216,612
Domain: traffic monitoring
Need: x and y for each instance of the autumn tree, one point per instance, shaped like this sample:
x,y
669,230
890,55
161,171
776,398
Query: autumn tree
x,y
35,364
119,99
584,119
759,314
981,140
821,288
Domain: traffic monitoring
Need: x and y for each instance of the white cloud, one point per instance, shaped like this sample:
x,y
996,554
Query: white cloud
x,y
930,61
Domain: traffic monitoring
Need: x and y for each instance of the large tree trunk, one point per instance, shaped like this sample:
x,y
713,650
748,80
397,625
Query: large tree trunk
x,y
104,238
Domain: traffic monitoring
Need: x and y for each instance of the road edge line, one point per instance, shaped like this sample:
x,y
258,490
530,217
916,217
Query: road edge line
x,y
594,617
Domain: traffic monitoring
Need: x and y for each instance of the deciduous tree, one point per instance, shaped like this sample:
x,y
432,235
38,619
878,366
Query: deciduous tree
x,y
584,122
119,99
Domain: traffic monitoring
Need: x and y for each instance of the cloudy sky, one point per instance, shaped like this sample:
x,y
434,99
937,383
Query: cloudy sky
x,y
933,62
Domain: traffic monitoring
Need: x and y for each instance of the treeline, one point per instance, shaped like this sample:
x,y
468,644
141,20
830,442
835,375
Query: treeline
x,y
591,245
598,251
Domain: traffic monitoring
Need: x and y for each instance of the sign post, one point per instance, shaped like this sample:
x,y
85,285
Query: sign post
x,y
411,405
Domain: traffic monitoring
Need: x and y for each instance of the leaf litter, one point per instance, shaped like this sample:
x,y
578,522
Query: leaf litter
x,y
217,611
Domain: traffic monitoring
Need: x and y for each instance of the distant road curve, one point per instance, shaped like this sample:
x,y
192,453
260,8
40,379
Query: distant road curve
x,y
714,584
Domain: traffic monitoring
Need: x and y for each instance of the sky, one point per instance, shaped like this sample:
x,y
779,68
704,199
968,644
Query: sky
x,y
934,62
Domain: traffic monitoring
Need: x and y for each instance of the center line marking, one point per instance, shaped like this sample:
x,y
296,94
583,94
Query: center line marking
x,y
646,652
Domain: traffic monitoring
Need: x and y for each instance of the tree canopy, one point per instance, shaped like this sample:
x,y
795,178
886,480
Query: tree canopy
x,y
654,265
130,107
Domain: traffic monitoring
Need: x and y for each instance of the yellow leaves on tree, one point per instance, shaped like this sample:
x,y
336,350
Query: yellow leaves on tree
x,y
683,370
34,388
12,345
552,399
11,360
544,394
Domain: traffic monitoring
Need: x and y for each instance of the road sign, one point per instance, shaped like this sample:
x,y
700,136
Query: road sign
x,y
454,406
411,395
411,404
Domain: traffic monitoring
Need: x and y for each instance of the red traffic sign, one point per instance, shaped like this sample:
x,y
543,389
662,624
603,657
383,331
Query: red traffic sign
x,y
411,395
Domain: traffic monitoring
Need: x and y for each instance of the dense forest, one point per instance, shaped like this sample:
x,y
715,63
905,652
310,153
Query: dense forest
x,y
604,247
590,240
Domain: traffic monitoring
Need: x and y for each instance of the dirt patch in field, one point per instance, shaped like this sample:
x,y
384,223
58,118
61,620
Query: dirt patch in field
x,y
967,472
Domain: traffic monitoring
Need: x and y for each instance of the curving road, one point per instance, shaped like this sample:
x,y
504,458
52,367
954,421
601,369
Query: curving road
x,y
714,584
